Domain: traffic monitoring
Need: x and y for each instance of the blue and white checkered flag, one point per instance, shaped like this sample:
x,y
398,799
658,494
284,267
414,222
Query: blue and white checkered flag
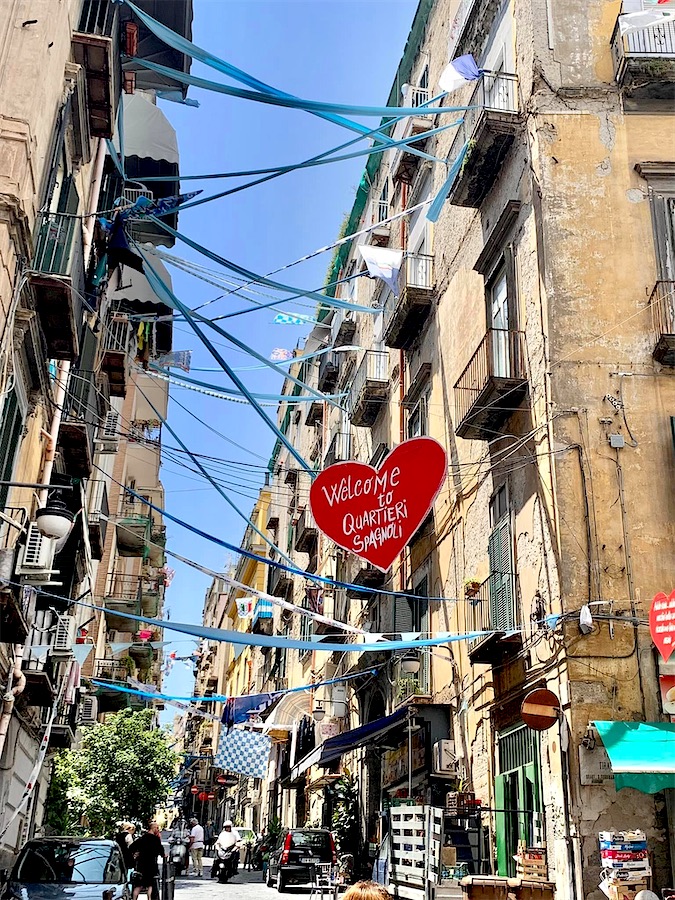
x,y
244,752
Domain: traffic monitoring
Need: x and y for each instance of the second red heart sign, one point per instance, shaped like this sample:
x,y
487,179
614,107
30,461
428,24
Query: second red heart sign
x,y
374,512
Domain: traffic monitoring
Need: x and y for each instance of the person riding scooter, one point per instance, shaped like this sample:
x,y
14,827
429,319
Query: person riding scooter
x,y
226,863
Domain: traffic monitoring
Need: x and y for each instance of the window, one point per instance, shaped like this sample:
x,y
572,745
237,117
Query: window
x,y
418,417
383,203
517,795
306,625
500,550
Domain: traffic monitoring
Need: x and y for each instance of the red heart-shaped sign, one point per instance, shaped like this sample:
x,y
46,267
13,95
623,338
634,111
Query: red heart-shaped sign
x,y
374,512
662,623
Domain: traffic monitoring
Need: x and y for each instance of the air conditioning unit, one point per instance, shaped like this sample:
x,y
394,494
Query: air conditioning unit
x,y
36,557
108,434
89,711
65,632
445,760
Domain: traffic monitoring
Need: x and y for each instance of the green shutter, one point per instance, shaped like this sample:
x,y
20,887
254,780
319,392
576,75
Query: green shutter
x,y
528,823
10,439
502,611
500,825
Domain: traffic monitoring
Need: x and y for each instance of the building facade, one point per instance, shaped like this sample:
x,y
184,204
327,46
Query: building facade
x,y
75,426
531,334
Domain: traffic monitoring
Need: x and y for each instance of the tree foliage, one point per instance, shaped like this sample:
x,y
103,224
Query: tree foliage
x,y
121,770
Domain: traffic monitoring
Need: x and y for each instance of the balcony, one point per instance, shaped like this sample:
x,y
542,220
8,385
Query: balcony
x,y
306,532
314,412
369,389
119,348
16,611
343,327
263,617
408,686
404,163
340,449
57,278
279,582
492,385
123,595
134,530
64,726
405,315
380,228
96,48
156,554
98,517
152,594
79,420
40,680
489,127
487,613
644,66
662,302
329,368
110,700
366,576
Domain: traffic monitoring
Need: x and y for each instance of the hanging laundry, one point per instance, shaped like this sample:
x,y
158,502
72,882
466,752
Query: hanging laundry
x,y
458,72
285,319
650,18
281,355
383,263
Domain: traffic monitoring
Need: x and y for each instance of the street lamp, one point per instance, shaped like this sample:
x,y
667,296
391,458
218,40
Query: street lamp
x,y
55,519
319,713
410,663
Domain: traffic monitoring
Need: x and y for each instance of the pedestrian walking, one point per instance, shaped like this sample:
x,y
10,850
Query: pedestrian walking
x,y
146,851
125,837
209,836
197,847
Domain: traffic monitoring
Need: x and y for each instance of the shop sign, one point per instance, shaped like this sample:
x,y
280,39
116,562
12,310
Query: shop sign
x,y
375,512
329,730
662,623
667,685
594,765
395,762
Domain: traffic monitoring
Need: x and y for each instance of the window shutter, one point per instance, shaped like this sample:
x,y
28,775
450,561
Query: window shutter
x,y
501,579
403,614
10,438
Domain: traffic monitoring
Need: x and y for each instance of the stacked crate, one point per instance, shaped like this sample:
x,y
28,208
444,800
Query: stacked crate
x,y
531,863
625,862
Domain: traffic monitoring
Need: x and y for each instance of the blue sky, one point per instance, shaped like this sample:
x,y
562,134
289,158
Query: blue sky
x,y
340,50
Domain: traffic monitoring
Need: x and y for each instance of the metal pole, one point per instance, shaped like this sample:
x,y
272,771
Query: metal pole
x,y
30,484
409,753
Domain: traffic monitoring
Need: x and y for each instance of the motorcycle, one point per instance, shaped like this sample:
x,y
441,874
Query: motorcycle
x,y
179,853
257,854
226,864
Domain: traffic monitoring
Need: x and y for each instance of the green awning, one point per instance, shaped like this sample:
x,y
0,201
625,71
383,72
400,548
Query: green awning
x,y
642,754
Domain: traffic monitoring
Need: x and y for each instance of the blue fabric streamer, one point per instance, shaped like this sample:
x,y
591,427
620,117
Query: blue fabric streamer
x,y
166,294
440,198
277,398
260,279
182,44
163,292
249,639
309,163
177,97
312,106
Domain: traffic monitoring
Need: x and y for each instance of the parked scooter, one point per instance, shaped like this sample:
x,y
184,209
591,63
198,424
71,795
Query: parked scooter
x,y
179,853
226,864
257,854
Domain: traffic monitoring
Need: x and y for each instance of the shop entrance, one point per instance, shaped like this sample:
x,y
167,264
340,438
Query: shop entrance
x,y
517,795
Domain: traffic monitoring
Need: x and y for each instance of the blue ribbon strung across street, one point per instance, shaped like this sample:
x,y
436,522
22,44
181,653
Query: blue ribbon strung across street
x,y
221,698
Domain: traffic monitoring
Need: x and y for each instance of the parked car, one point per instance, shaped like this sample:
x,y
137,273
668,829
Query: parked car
x,y
299,855
68,868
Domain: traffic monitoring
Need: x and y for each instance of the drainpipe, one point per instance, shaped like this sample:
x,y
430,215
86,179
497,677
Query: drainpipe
x,y
10,695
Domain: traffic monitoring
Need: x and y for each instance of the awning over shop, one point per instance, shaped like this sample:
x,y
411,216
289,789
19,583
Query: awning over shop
x,y
642,754
290,708
148,134
335,747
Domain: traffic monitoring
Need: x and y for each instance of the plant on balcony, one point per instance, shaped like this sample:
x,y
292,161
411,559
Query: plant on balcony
x,y
128,664
407,686
471,587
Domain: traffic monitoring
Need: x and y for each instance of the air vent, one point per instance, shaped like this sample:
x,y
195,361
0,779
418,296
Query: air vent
x,y
64,635
89,711
108,436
